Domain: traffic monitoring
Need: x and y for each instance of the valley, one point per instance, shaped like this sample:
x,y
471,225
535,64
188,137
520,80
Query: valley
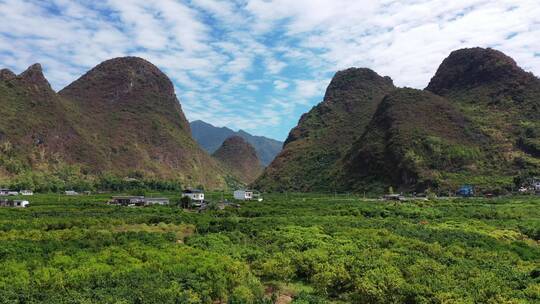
x,y
292,247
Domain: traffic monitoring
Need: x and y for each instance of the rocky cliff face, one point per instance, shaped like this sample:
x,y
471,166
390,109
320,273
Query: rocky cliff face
x,y
240,158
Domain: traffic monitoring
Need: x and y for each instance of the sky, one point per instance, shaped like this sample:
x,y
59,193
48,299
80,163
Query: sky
x,y
257,65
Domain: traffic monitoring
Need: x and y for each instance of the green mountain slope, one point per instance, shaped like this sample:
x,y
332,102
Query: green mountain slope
x,y
498,96
325,133
122,117
36,129
240,158
416,140
477,122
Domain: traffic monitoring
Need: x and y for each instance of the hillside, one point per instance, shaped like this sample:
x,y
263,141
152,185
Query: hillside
x,y
500,97
325,133
37,129
477,122
210,139
121,117
240,158
415,141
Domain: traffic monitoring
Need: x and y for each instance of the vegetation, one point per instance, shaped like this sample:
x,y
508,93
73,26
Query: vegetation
x,y
240,158
312,248
121,116
324,135
476,121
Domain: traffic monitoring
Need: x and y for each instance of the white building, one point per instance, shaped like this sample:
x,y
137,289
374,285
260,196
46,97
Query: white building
x,y
71,192
21,204
247,195
26,192
194,194
156,201
15,203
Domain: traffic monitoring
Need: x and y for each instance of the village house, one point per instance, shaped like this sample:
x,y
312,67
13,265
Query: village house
x,y
7,192
138,201
127,200
26,192
14,203
247,195
156,201
71,192
195,194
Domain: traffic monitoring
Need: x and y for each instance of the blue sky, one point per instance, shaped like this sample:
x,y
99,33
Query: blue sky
x,y
258,65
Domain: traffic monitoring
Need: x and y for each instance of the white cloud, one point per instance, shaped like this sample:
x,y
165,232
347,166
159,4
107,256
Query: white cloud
x,y
258,64
280,84
306,89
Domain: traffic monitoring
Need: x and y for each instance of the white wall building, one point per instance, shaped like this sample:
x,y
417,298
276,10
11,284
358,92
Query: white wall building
x,y
247,195
22,204
26,192
194,194
14,203
156,201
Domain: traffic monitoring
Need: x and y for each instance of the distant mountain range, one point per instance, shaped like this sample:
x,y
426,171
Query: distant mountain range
x,y
210,138
477,122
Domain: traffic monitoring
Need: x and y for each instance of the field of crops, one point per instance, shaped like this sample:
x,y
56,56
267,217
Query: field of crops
x,y
304,248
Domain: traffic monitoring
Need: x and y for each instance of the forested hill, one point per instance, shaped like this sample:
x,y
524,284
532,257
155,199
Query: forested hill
x,y
324,134
477,122
210,138
121,118
240,158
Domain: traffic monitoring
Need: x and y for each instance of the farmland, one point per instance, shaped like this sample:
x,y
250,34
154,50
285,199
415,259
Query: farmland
x,y
307,248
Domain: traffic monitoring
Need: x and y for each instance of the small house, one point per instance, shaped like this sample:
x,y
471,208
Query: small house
x,y
14,203
194,194
21,203
127,200
7,192
156,201
71,192
247,195
26,192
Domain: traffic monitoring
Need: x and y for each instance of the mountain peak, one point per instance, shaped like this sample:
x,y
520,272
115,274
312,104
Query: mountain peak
x,y
33,76
474,67
240,157
235,140
211,138
6,74
120,80
353,80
